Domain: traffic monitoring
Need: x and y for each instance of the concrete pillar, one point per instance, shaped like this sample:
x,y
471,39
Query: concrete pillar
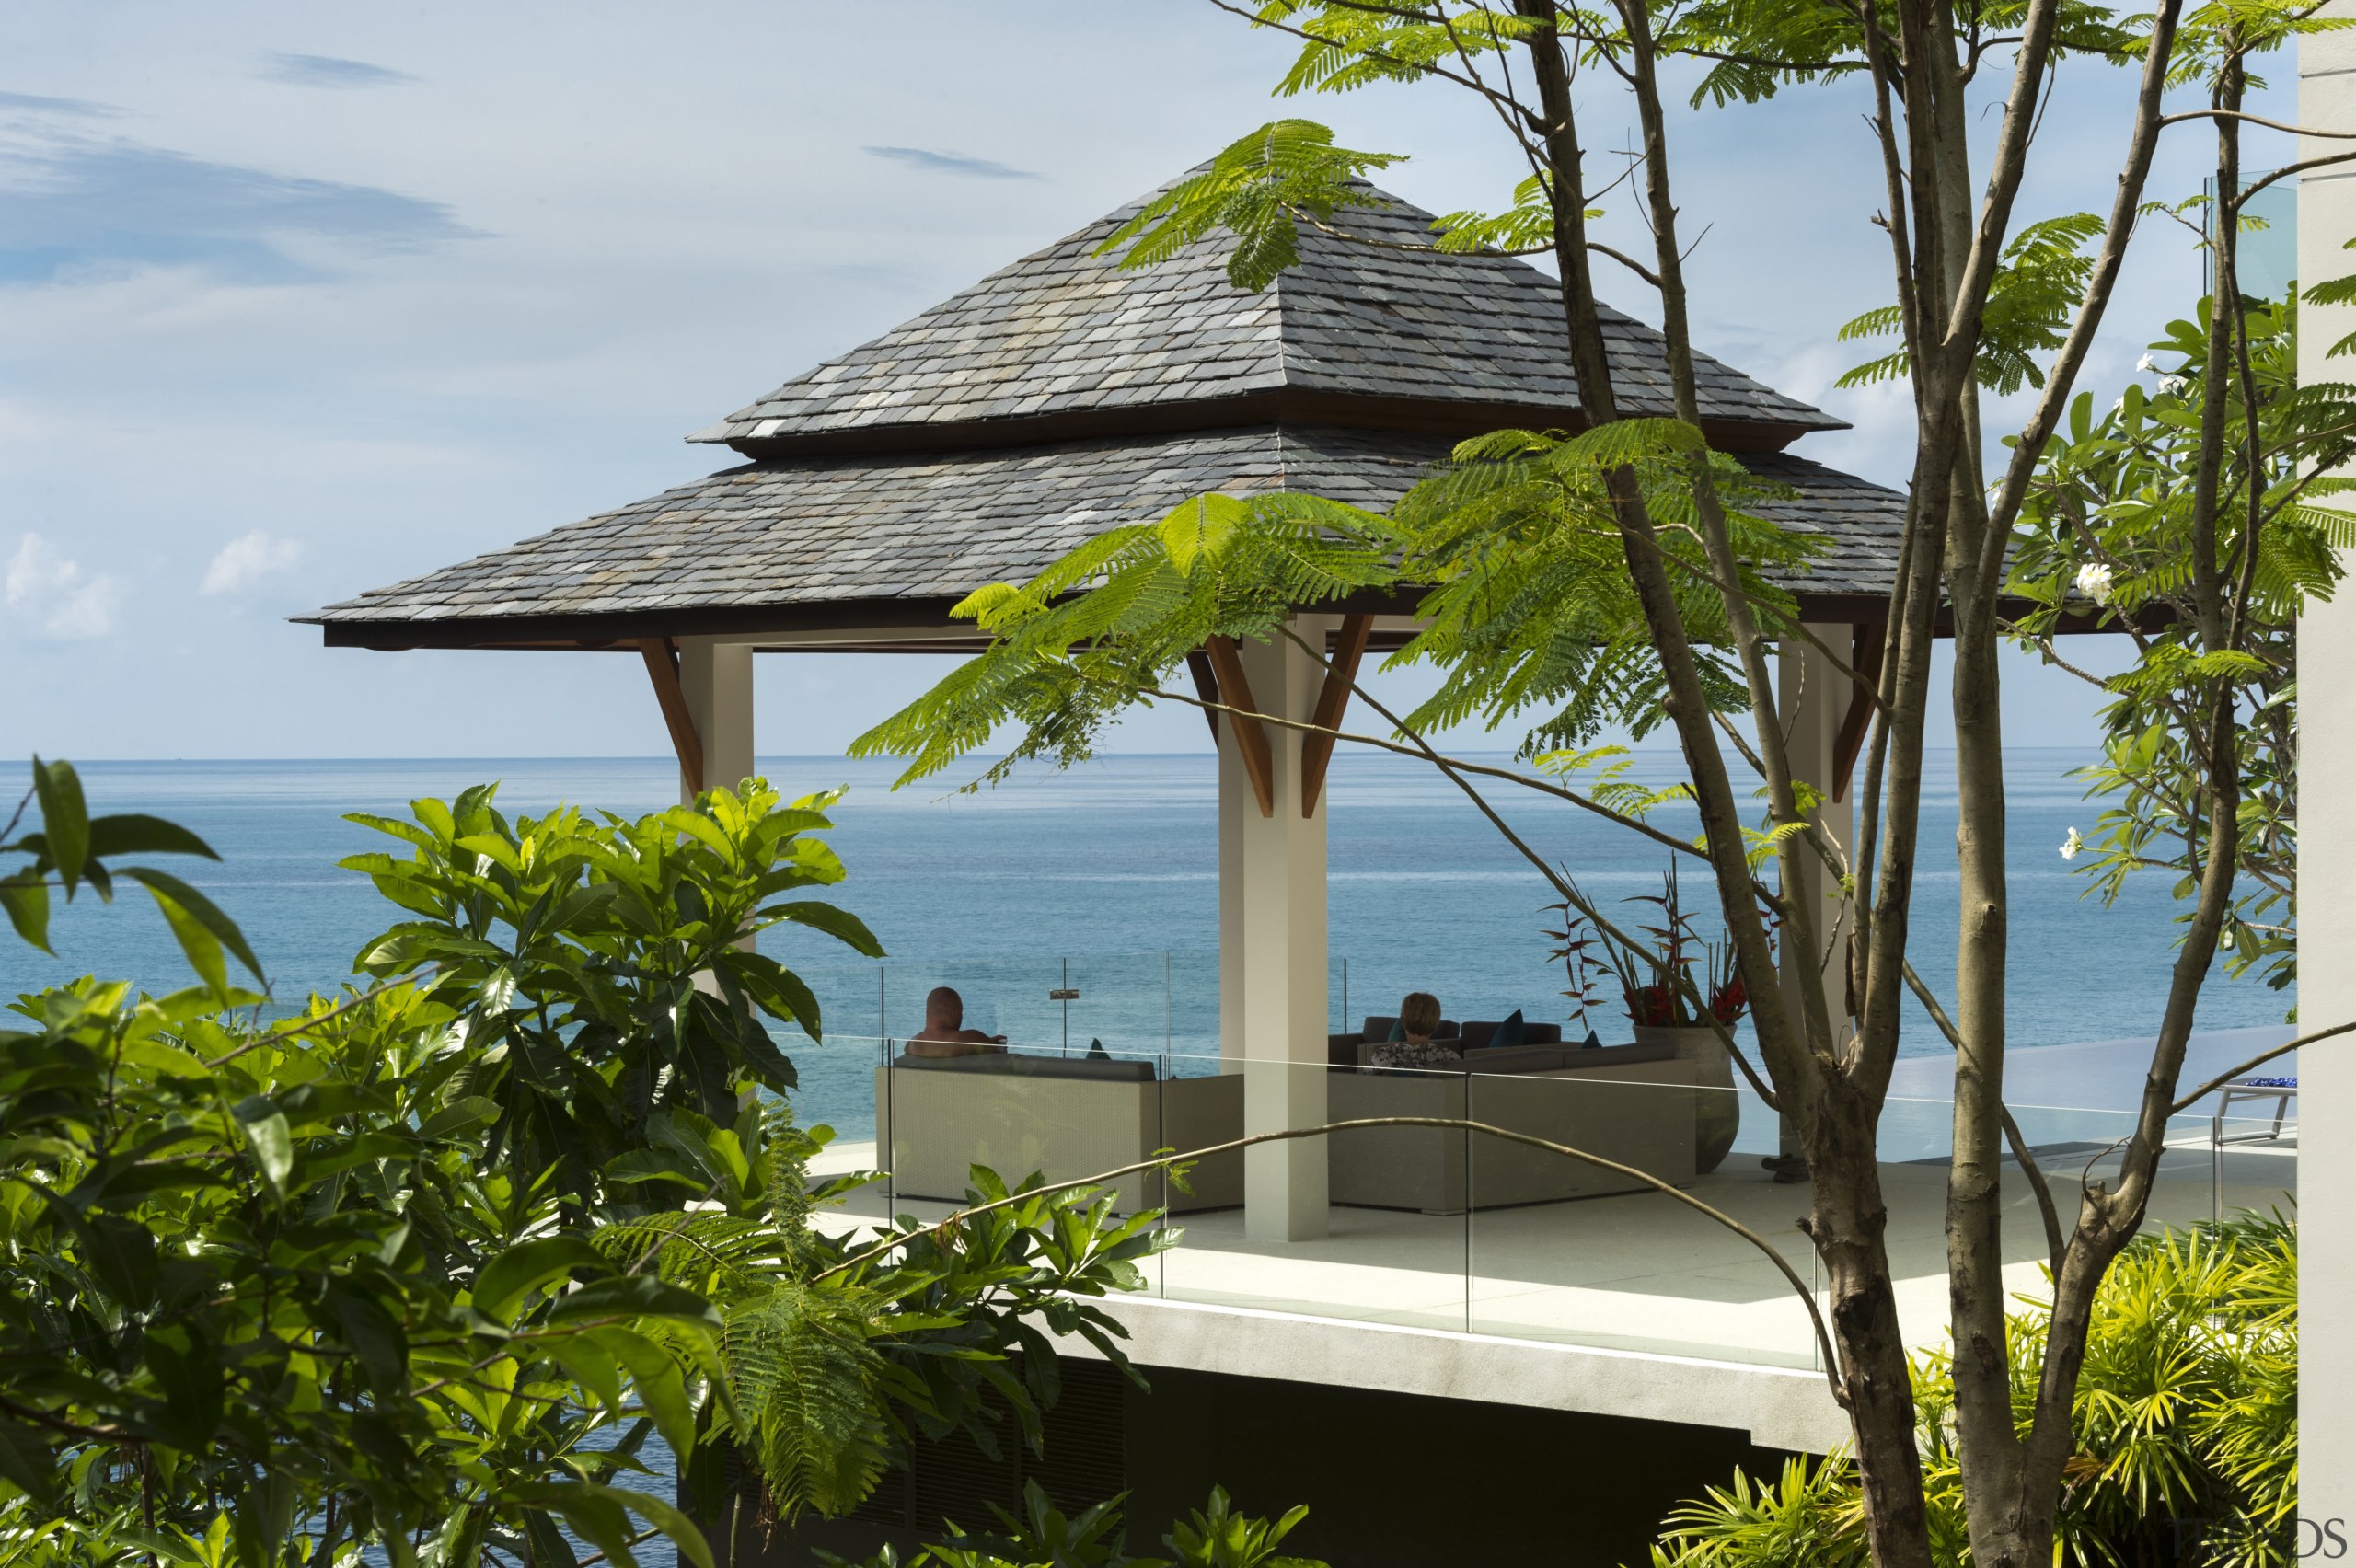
x,y
1273,995
1814,699
717,680
2327,865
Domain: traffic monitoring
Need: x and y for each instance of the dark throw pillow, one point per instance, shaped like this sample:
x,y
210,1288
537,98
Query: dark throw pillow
x,y
1507,1034
1398,1033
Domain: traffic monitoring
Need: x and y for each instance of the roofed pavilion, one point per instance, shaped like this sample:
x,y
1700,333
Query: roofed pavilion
x,y
1063,395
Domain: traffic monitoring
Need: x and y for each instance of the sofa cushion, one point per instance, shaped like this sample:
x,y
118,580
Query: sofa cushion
x,y
1009,1064
1594,1056
1382,1027
1515,1059
1481,1035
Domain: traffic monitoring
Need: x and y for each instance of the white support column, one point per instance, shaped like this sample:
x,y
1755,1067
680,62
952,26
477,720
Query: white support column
x,y
1272,996
1814,698
2326,869
717,680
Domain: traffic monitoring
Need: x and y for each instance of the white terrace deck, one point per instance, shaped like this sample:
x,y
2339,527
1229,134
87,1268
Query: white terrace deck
x,y
1634,1275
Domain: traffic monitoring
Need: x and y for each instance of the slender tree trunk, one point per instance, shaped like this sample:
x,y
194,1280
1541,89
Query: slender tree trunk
x,y
1849,1220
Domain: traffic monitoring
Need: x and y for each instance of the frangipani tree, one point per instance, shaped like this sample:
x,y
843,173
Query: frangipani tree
x,y
1612,574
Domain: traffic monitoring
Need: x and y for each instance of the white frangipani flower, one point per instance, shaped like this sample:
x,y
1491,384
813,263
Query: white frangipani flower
x,y
2072,845
2147,364
2093,581
2172,385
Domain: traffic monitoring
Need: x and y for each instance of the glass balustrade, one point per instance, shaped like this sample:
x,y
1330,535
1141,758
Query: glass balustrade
x,y
1596,1214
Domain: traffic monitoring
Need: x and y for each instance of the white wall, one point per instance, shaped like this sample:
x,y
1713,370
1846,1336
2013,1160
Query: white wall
x,y
2327,861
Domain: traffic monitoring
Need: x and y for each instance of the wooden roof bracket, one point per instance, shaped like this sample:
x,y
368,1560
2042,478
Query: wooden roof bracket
x,y
1333,699
661,655
1865,657
1198,664
1251,735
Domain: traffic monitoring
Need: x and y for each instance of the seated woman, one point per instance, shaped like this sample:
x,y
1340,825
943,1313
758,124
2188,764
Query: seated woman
x,y
1418,1017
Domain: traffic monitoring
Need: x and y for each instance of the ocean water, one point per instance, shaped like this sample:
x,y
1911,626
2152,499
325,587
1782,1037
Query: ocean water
x,y
1103,880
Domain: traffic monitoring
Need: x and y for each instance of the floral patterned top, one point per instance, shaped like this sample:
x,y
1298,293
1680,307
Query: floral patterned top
x,y
1412,1054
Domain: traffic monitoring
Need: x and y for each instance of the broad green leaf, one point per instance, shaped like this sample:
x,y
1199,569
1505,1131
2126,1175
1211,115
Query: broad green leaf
x,y
134,834
200,909
527,1266
64,819
26,901
270,1139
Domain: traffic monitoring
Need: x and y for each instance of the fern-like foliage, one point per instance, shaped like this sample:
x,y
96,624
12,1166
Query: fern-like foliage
x,y
1110,623
2186,1424
2037,285
1533,616
808,1383
1258,188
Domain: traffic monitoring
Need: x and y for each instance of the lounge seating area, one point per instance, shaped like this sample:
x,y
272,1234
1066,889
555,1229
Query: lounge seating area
x,y
1067,1117
1537,1250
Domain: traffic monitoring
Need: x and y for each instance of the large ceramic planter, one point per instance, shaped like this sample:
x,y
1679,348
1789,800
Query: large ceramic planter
x,y
1717,1111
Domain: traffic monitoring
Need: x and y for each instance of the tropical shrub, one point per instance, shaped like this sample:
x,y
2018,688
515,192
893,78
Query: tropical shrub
x,y
2187,1423
423,1272
1215,1536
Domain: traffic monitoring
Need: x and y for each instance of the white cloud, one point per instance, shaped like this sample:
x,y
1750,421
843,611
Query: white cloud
x,y
247,559
65,603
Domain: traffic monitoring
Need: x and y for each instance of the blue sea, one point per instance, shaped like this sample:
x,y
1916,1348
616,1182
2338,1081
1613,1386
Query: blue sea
x,y
1103,880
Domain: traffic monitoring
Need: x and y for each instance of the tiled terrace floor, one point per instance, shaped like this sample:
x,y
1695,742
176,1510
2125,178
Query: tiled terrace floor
x,y
1641,1271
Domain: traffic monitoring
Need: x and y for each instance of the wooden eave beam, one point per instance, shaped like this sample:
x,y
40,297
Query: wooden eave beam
x,y
661,655
1332,700
1251,735
1865,657
1198,664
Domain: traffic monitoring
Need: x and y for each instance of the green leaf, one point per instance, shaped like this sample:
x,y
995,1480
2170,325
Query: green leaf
x,y
635,1296
837,924
1200,526
64,819
26,901
26,1461
269,1138
599,1515
1255,188
134,834
527,1266
660,1385
188,910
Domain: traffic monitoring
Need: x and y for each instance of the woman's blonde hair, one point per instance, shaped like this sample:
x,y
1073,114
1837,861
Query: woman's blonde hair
x,y
1419,1014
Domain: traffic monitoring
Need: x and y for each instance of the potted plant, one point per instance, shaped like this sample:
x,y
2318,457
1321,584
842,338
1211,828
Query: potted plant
x,y
1664,984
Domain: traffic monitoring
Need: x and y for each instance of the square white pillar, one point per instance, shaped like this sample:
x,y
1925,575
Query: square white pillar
x,y
717,680
1814,698
1273,995
2327,917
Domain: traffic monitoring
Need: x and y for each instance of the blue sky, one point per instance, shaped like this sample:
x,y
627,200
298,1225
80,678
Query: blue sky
x,y
297,300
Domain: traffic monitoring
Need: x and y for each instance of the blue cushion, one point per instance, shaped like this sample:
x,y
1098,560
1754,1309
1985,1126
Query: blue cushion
x,y
1507,1034
1398,1032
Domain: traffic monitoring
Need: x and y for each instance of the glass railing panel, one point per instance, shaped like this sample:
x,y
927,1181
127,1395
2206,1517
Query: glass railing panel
x,y
1365,1224
1020,999
2253,1156
1119,1001
843,1090
1582,1253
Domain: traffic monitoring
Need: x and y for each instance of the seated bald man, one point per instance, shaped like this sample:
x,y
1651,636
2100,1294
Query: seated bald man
x,y
944,1033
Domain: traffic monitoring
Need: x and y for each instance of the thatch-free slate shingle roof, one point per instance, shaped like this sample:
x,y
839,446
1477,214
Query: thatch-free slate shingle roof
x,y
874,533
1066,331
1064,394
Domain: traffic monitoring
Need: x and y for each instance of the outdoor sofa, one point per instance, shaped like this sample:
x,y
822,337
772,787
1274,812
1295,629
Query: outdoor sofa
x,y
1064,1117
1629,1103
1069,1117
